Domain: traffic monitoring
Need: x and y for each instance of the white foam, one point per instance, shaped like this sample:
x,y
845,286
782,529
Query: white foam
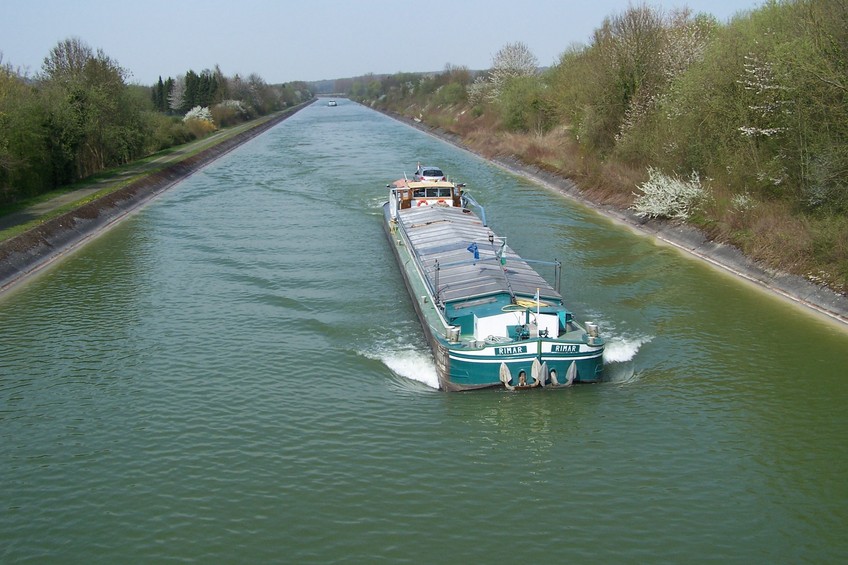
x,y
619,350
409,363
413,365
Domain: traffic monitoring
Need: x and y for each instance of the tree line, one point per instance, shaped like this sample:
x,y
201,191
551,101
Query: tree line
x,y
79,116
756,108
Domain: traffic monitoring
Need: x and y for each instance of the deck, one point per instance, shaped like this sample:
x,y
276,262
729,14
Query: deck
x,y
443,234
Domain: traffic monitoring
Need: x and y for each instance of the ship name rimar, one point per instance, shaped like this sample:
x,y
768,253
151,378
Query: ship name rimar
x,y
512,350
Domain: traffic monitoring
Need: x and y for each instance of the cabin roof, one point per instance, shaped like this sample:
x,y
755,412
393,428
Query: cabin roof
x,y
404,183
444,234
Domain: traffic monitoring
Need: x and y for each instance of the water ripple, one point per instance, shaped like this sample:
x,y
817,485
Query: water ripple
x,y
236,374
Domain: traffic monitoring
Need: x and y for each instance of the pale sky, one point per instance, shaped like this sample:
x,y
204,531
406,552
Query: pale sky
x,y
287,40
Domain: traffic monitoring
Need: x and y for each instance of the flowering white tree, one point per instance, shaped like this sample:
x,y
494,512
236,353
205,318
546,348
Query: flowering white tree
x,y
767,105
177,94
198,113
235,105
513,60
668,197
655,50
477,90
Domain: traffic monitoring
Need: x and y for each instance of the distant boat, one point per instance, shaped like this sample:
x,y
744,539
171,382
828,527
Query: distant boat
x,y
490,319
332,103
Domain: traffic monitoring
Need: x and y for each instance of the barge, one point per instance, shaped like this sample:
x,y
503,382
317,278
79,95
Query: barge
x,y
490,319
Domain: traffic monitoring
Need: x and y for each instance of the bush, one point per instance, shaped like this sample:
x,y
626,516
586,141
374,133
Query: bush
x,y
198,113
229,113
166,131
668,197
199,122
451,94
199,128
525,106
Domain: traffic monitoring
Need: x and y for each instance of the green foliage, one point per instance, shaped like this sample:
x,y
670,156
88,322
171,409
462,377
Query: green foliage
x,y
199,90
159,96
92,116
617,83
293,93
165,131
421,89
512,61
760,104
585,98
451,94
24,158
80,117
525,105
229,113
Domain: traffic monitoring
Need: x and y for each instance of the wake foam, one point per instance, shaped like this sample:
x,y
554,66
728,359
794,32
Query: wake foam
x,y
619,352
410,364
413,365
622,349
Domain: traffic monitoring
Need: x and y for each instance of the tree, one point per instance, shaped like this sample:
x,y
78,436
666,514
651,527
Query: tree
x,y
90,117
66,61
191,94
24,162
159,96
525,105
513,60
176,94
222,91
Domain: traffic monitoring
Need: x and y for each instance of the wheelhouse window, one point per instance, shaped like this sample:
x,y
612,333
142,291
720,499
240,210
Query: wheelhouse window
x,y
439,192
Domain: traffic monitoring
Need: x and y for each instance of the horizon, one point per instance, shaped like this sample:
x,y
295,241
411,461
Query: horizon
x,y
277,40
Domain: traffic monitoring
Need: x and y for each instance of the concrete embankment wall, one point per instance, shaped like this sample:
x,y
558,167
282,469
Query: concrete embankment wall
x,y
31,251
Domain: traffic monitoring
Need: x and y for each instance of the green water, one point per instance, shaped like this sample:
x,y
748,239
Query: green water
x,y
235,374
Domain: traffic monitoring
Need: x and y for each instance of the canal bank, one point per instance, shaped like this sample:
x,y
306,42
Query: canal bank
x,y
29,252
687,239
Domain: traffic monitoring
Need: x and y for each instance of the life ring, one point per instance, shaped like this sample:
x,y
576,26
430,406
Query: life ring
x,y
422,203
442,203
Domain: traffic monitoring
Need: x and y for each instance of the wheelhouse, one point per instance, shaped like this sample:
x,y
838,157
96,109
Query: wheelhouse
x,y
405,194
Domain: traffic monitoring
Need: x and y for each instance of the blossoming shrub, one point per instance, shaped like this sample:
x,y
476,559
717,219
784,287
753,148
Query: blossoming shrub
x,y
668,197
198,113
229,113
199,122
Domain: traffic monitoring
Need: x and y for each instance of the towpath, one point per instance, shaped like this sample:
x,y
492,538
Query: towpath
x,y
121,176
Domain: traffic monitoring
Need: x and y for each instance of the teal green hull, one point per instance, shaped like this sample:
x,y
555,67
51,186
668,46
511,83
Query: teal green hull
x,y
465,371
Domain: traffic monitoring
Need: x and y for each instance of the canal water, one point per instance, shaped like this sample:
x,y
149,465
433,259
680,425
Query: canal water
x,y
236,374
